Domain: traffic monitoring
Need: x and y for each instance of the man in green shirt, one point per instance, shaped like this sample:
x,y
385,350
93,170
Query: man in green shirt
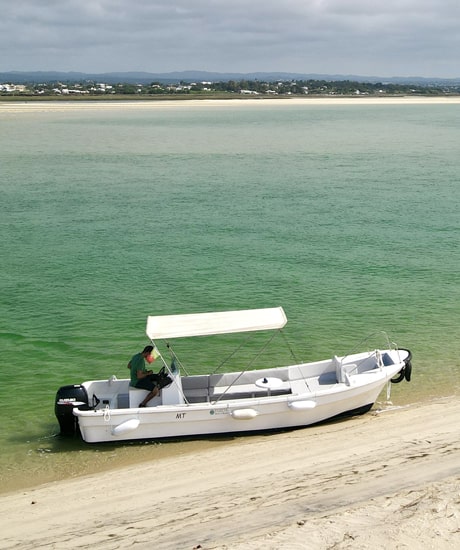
x,y
140,376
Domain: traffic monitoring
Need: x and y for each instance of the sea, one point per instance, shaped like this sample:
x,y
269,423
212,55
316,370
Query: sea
x,y
346,215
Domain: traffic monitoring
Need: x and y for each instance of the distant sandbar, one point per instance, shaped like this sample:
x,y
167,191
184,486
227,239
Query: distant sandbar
x,y
41,106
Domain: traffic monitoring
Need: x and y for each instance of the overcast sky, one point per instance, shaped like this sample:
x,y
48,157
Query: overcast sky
x,y
360,37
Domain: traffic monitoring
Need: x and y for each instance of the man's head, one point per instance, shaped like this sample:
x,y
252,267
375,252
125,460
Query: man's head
x,y
147,353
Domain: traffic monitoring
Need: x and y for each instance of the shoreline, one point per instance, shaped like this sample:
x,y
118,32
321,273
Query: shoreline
x,y
372,481
9,106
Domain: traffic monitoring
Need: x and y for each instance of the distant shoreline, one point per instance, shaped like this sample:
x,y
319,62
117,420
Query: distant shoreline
x,y
34,104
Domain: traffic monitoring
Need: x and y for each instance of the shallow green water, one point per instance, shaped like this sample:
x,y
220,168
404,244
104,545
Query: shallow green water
x,y
347,216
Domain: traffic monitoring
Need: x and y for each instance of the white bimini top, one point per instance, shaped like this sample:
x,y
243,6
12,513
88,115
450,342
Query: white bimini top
x,y
220,322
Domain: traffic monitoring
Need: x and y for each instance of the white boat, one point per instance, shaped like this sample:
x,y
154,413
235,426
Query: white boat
x,y
277,397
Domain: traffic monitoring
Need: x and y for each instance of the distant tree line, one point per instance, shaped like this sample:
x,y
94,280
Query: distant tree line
x,y
254,87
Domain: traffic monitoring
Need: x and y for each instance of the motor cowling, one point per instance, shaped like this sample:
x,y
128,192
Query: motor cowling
x,y
406,371
67,399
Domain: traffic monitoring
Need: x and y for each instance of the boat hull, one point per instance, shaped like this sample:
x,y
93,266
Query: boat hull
x,y
251,415
240,402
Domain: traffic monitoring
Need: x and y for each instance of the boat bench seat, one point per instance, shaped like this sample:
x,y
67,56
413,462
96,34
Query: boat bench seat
x,y
247,377
241,391
196,388
203,388
137,395
241,386
197,395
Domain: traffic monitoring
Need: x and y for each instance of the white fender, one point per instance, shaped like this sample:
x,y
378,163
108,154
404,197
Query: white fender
x,y
302,405
127,426
244,414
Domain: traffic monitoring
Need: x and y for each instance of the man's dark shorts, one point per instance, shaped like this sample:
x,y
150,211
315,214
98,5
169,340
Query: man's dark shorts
x,y
147,383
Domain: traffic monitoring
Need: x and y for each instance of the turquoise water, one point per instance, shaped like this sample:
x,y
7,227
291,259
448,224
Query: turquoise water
x,y
347,216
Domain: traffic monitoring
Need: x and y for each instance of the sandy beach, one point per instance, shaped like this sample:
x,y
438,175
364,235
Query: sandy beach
x,y
75,105
387,479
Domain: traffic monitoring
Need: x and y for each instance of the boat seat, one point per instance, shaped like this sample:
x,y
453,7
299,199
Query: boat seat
x,y
197,395
246,390
299,387
172,394
137,395
343,372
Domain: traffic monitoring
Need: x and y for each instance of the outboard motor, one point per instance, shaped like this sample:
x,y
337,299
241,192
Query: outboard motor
x,y
68,398
406,371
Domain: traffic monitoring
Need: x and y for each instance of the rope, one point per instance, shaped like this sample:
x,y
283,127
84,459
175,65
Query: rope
x,y
289,347
242,372
234,352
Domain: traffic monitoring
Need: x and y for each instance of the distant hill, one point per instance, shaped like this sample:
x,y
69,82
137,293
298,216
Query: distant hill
x,y
20,77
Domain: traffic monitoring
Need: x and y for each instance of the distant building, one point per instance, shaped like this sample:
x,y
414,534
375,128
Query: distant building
x,y
10,88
